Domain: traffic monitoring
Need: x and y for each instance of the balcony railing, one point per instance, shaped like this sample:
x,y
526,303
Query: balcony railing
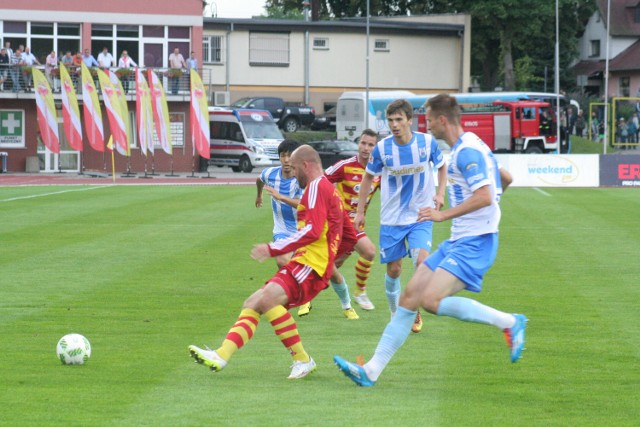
x,y
175,81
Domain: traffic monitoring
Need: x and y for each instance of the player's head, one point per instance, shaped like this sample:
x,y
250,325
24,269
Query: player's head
x,y
442,110
368,141
285,149
399,115
306,165
400,106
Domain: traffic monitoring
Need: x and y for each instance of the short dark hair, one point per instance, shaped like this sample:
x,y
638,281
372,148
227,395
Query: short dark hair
x,y
400,105
369,132
288,146
446,105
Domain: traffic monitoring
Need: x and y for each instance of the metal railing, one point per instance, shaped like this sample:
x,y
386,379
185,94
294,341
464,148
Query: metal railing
x,y
174,80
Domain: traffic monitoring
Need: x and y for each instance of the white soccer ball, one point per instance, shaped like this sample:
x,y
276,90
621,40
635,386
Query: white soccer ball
x,y
73,349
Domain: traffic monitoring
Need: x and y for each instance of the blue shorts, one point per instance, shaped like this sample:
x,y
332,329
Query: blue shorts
x,y
393,237
467,258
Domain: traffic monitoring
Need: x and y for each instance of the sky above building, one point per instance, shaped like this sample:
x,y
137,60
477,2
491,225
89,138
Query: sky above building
x,y
237,8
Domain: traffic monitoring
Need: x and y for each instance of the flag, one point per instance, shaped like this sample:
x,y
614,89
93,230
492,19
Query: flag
x,y
92,112
160,111
199,116
144,113
112,104
124,108
70,111
47,117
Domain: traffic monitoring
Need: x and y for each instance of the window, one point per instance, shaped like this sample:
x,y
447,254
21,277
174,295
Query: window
x,y
321,43
212,49
636,14
269,49
595,48
624,86
381,45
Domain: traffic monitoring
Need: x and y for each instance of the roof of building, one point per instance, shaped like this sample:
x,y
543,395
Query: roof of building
x,y
628,59
347,25
622,21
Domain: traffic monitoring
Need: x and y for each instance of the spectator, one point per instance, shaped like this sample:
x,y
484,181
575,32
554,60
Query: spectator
x,y
105,59
580,125
16,63
595,127
5,60
634,120
50,64
89,60
29,61
632,129
176,62
622,133
126,62
192,62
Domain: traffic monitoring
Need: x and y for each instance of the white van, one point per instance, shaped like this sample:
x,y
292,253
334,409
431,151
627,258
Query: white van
x,y
243,139
351,114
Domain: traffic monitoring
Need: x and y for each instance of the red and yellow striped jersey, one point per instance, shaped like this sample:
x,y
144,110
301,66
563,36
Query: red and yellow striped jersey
x,y
320,222
347,175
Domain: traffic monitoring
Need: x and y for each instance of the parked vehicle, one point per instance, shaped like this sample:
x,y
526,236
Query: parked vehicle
x,y
509,127
326,121
334,151
288,115
243,139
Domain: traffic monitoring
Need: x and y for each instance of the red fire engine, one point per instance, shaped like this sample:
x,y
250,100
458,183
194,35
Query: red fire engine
x,y
509,127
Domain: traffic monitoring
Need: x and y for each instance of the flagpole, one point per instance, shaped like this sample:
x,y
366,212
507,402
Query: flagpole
x,y
113,166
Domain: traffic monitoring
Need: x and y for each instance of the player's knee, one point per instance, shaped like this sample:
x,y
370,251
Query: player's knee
x,y
394,269
368,253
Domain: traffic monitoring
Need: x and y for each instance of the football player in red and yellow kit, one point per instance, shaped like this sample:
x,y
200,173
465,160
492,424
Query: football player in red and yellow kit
x,y
315,247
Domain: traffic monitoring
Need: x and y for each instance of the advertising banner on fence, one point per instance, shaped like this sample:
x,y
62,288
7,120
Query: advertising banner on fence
x,y
620,170
550,170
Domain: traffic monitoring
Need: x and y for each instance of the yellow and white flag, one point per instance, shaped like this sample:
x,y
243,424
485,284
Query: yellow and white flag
x,y
70,111
47,117
160,111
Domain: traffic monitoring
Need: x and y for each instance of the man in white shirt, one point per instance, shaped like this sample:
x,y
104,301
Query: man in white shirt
x,y
105,59
176,61
29,60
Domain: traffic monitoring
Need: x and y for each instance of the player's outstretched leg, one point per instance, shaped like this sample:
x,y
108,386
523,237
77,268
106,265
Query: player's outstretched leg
x,y
208,358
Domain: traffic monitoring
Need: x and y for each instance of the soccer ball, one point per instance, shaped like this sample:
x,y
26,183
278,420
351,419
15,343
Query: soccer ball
x,y
73,349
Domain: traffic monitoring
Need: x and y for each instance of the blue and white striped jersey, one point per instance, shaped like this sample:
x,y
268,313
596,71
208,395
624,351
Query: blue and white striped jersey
x,y
407,182
285,218
472,165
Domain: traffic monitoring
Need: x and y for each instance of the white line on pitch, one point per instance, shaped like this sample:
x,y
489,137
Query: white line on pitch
x,y
52,194
541,191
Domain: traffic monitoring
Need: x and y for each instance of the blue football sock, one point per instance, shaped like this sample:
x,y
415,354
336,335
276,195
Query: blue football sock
x,y
394,335
470,310
392,288
343,293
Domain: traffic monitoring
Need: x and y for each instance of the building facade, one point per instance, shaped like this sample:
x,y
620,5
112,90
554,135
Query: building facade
x,y
316,61
148,32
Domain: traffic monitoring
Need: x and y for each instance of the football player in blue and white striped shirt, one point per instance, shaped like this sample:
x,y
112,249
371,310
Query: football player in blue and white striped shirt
x,y
285,195
405,161
476,182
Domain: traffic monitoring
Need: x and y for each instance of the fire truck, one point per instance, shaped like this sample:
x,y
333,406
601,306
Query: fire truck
x,y
508,126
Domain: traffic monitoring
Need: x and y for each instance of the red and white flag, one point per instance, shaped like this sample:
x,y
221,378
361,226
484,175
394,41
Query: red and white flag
x,y
116,121
92,112
70,111
200,134
144,113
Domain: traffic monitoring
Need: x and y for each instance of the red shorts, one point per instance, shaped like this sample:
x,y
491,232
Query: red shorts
x,y
349,239
300,282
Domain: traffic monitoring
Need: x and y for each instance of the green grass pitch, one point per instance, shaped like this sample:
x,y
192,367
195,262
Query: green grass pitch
x,y
144,271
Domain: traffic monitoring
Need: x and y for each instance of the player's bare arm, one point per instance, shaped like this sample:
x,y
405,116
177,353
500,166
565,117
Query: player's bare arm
x,y
281,197
259,186
480,198
438,199
505,178
365,187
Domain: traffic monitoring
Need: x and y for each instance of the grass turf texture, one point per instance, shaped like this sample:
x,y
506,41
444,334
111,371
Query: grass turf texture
x,y
144,271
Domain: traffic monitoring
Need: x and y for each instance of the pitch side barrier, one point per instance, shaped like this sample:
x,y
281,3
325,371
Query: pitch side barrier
x,y
572,170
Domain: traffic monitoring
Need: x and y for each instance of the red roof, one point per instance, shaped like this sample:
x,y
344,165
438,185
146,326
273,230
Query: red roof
x,y
622,17
628,59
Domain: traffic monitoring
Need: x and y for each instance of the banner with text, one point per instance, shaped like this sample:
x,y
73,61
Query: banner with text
x,y
620,170
550,170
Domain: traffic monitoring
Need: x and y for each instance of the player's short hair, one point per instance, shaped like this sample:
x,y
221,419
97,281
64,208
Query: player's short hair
x,y
446,105
288,146
369,132
400,105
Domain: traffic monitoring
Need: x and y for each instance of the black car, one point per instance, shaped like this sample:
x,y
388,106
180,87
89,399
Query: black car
x,y
326,121
334,151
